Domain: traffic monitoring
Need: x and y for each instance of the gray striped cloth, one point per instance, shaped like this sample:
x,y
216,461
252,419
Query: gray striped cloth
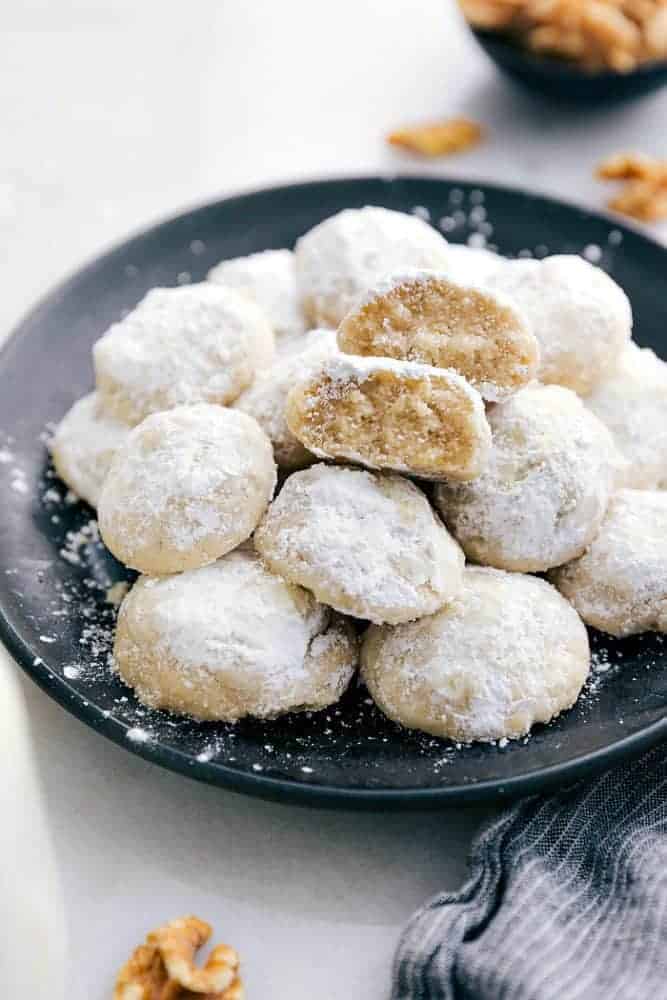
x,y
566,900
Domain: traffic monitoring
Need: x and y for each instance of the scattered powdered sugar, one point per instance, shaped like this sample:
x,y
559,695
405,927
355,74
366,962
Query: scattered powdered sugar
x,y
422,212
76,541
137,735
268,279
592,253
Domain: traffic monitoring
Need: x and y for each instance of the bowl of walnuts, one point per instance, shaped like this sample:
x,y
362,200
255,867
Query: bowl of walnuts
x,y
575,50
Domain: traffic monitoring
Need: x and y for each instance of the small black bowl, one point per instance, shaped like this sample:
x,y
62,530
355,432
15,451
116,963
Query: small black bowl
x,y
559,79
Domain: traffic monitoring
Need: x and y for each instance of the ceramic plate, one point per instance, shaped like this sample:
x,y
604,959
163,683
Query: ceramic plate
x,y
55,575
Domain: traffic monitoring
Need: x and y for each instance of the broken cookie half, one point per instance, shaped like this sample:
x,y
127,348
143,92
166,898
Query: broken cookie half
x,y
427,317
387,414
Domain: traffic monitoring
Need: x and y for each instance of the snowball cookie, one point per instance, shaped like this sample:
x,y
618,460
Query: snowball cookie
x,y
266,398
619,585
347,253
632,402
388,414
425,316
580,316
84,444
542,497
369,545
230,640
471,265
269,279
506,653
188,485
194,344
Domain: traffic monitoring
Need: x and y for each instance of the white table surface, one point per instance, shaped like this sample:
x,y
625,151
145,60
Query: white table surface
x,y
112,114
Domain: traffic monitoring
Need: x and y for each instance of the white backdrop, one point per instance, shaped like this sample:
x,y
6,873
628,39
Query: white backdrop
x,y
113,114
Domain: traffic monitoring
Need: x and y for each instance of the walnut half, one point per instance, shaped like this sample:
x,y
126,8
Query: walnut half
x,y
164,969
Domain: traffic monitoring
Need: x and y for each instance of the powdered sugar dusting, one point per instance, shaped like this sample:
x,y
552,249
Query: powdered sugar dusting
x,y
368,545
347,253
189,483
197,343
268,279
544,493
632,403
84,444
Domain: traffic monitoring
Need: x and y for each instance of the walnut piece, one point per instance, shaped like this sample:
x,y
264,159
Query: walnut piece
x,y
163,968
438,138
615,35
643,194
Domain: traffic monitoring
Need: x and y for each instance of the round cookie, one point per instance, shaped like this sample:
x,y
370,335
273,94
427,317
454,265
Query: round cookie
x,y
632,402
582,319
471,265
85,442
619,584
268,279
506,653
188,485
425,316
541,499
266,398
368,545
198,343
388,414
230,640
346,254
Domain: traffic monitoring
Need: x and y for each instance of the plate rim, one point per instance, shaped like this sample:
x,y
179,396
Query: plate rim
x,y
307,793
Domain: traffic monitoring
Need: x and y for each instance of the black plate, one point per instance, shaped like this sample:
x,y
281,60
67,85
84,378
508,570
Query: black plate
x,y
53,614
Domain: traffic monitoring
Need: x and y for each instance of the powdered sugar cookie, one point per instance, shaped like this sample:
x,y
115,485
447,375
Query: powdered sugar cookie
x,y
367,544
230,640
580,316
194,344
84,444
506,653
619,584
346,254
542,497
471,265
188,485
269,279
632,402
266,398
425,316
388,414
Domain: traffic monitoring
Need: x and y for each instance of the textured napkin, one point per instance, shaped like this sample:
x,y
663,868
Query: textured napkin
x,y
567,898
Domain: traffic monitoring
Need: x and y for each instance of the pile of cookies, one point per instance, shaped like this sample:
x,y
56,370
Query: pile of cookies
x,y
360,453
